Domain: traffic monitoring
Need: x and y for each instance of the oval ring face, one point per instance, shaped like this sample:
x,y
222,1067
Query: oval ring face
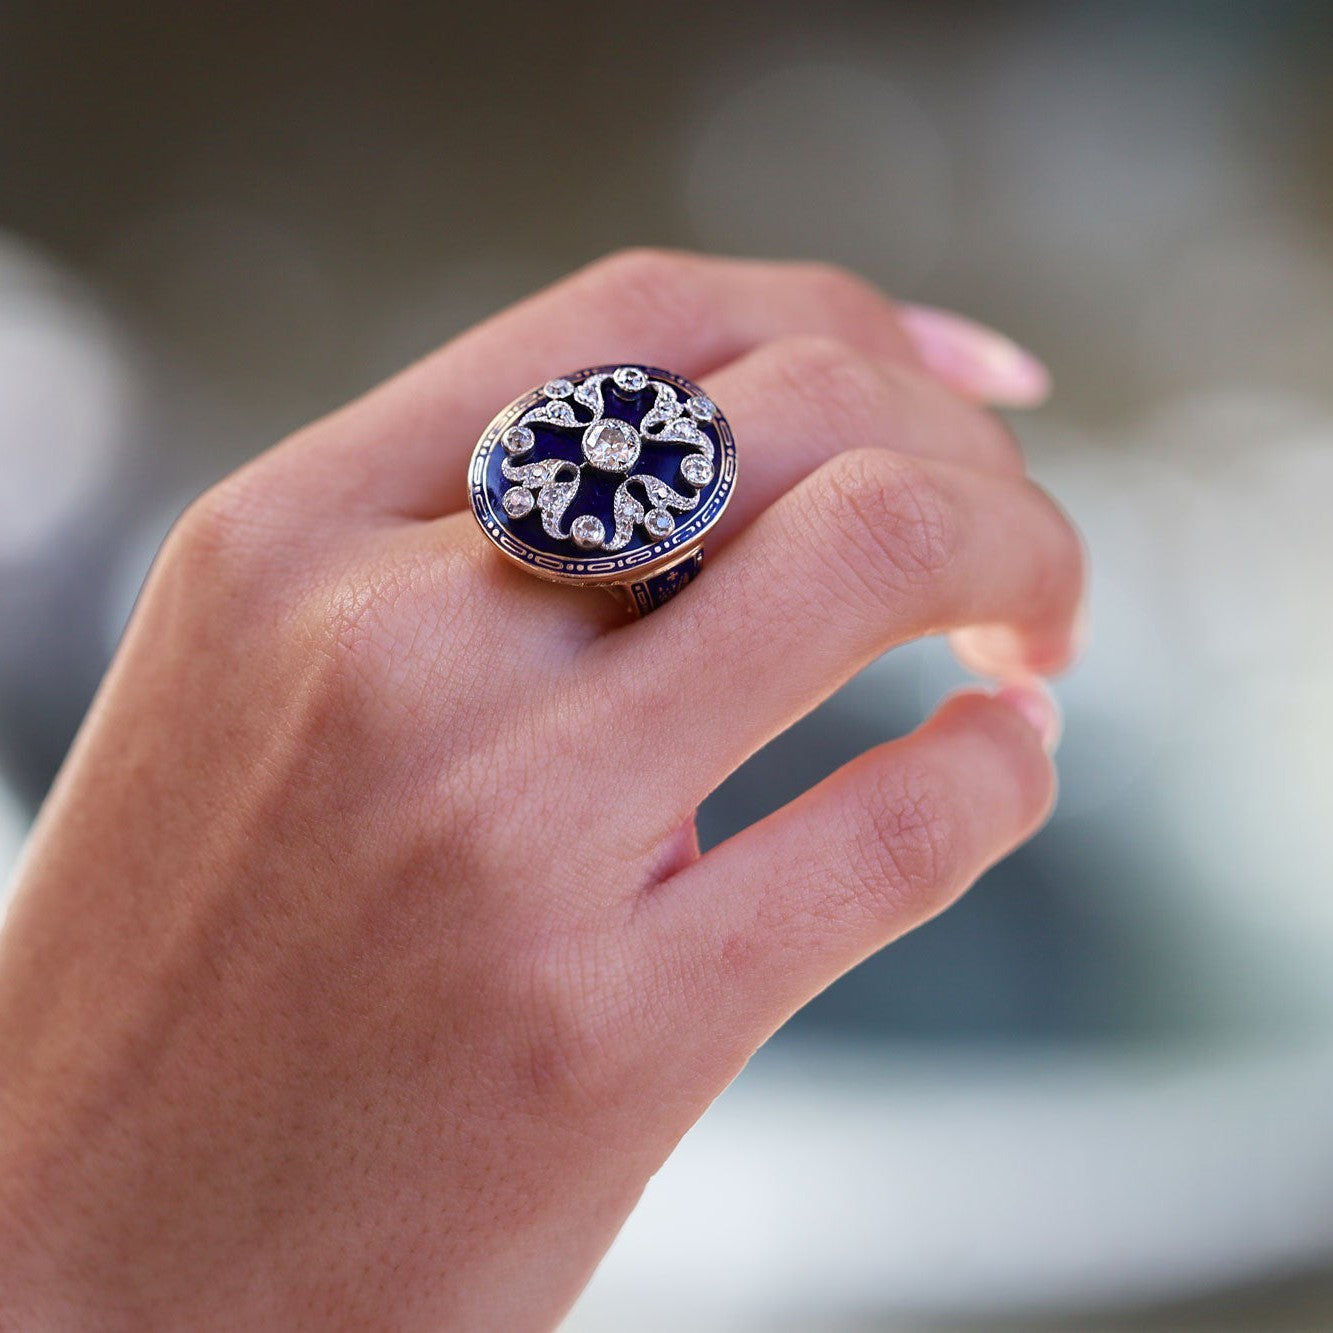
x,y
604,475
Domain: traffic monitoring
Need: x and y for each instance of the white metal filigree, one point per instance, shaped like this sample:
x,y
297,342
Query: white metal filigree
x,y
610,445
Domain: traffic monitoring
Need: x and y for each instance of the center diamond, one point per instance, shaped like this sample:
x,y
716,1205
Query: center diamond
x,y
611,445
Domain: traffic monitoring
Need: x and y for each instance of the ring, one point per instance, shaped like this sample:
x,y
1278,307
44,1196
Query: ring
x,y
607,477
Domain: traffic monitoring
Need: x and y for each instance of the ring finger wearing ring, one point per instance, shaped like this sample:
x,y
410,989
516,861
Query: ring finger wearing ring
x,y
610,476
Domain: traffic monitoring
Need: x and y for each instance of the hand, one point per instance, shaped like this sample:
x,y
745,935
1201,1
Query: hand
x,y
363,965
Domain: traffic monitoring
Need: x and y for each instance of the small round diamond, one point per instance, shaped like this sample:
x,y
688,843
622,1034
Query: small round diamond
x,y
517,440
587,531
517,501
611,445
560,388
697,470
701,407
629,378
659,523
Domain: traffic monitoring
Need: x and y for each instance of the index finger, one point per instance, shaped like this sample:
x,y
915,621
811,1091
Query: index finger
x,y
403,447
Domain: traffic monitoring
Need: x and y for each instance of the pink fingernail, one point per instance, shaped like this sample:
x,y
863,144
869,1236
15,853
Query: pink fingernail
x,y
1037,708
975,359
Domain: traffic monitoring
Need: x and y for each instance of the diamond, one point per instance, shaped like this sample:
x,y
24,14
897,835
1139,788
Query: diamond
x,y
659,523
701,407
629,378
517,440
587,531
697,470
611,445
517,501
560,388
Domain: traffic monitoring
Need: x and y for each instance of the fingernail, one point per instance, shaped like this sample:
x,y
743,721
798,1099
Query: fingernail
x,y
975,359
1037,708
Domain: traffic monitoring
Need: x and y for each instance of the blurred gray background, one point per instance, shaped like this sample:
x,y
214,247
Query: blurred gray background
x,y
1098,1093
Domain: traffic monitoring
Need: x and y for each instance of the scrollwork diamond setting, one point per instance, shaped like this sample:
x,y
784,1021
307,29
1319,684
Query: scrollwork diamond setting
x,y
610,446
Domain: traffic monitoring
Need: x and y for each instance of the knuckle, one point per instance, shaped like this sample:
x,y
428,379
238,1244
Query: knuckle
x,y
909,858
832,383
890,523
862,401
223,520
650,284
228,539
840,288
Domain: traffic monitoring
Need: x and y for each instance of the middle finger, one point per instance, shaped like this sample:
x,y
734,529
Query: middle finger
x,y
795,402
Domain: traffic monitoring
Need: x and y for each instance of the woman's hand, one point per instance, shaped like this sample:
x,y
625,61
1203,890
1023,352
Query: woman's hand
x,y
363,966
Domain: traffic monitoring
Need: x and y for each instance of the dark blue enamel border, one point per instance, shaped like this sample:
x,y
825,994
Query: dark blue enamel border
x,y
523,540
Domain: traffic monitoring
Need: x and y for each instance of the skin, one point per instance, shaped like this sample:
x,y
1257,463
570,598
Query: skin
x,y
363,965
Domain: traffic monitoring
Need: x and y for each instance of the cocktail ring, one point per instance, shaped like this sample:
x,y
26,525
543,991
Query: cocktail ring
x,y
606,477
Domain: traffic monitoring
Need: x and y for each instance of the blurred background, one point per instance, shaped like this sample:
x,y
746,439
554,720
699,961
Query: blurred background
x,y
1098,1093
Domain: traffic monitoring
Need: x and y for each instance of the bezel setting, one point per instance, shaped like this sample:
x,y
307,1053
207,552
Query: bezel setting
x,y
627,469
